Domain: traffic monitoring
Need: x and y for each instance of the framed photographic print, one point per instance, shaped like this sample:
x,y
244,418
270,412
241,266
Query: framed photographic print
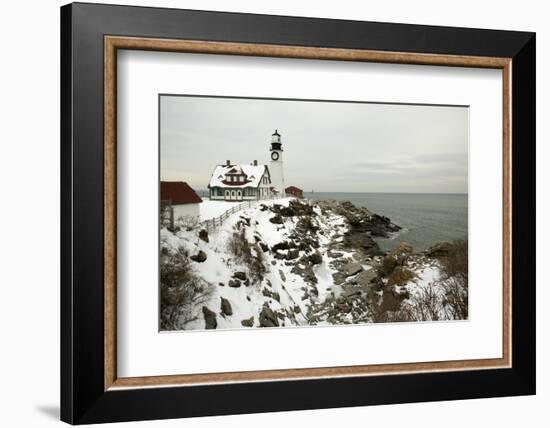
x,y
280,213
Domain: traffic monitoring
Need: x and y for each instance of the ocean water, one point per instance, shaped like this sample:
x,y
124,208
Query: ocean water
x,y
425,218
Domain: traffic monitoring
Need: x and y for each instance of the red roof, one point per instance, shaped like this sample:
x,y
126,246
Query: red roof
x,y
293,189
178,193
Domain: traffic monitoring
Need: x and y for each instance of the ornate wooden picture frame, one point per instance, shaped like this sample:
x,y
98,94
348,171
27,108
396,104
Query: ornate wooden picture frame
x,y
91,389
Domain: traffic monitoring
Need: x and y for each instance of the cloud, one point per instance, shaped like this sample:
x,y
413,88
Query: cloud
x,y
328,146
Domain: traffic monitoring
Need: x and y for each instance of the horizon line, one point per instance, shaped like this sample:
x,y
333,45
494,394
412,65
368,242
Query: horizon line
x,y
395,193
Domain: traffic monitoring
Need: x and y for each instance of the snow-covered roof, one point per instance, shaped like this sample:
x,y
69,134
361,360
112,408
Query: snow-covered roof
x,y
253,173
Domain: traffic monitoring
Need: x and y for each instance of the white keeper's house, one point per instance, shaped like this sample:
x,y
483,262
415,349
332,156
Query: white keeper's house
x,y
247,182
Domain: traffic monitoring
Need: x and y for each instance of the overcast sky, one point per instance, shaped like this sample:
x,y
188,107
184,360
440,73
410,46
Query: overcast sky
x,y
328,146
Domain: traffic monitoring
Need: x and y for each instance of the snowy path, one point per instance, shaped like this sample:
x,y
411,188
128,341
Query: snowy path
x,y
210,209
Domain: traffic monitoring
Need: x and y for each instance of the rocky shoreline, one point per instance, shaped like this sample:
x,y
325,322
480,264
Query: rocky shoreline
x,y
345,278
370,280
360,267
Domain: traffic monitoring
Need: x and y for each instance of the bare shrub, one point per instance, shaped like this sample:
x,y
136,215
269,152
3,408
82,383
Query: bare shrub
x,y
380,315
165,215
456,262
445,298
454,280
187,222
181,292
426,304
456,298
250,254
400,276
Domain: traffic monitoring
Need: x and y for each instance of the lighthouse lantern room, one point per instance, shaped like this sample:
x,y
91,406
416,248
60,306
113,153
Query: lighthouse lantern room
x,y
276,164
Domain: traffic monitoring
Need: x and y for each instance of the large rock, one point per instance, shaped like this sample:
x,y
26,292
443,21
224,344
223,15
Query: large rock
x,y
351,269
276,219
226,307
380,225
203,234
439,250
248,322
287,211
235,283
240,275
360,217
292,254
209,318
316,258
305,272
263,246
351,292
306,225
365,279
402,248
199,258
268,318
301,208
362,240
280,246
338,278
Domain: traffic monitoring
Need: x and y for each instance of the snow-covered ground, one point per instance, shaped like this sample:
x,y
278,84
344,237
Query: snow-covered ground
x,y
209,209
219,267
282,288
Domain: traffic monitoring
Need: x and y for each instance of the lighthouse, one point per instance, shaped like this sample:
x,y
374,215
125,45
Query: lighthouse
x,y
276,164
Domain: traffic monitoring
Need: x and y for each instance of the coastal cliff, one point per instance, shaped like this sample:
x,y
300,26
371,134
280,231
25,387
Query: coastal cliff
x,y
292,262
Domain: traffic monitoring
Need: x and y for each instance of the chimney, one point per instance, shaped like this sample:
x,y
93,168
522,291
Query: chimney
x,y
255,162
228,162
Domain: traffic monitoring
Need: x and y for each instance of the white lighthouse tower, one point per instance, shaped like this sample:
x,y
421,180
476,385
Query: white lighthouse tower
x,y
276,164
